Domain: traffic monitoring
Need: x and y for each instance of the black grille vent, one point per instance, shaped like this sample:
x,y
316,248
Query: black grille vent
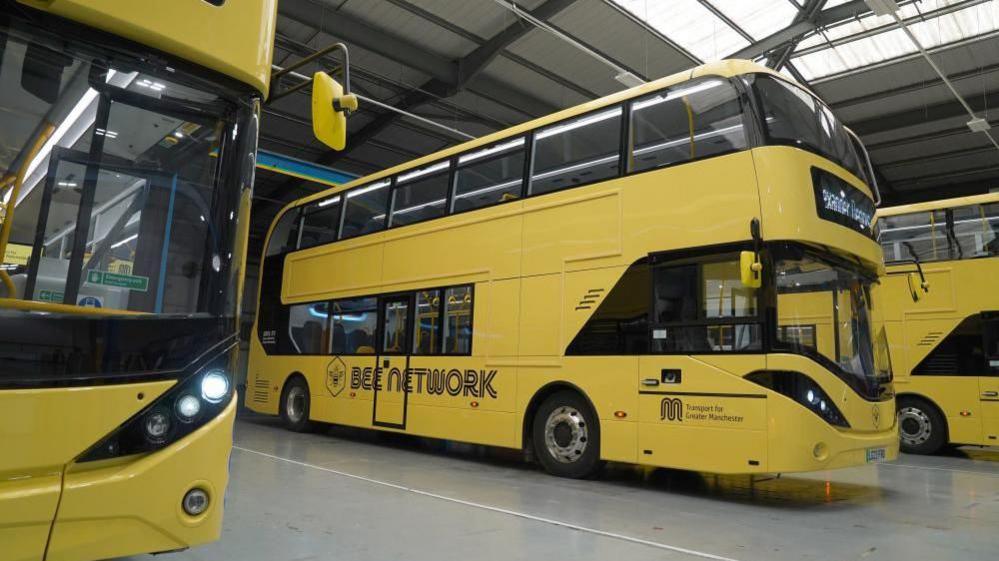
x,y
260,393
590,299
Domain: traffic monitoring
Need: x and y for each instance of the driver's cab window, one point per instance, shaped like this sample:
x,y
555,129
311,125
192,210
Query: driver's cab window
x,y
119,208
701,306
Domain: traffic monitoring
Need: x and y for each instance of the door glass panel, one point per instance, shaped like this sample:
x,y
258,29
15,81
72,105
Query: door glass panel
x,y
394,327
458,320
428,319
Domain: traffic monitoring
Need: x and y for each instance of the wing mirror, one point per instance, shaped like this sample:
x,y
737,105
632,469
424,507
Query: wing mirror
x,y
330,106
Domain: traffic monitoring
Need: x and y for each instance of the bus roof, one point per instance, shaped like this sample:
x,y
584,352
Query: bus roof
x,y
724,68
235,38
939,204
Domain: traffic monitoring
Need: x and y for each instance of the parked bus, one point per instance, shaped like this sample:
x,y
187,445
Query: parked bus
x,y
129,139
675,275
942,315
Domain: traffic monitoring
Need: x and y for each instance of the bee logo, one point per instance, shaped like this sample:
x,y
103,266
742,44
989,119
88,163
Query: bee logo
x,y
336,376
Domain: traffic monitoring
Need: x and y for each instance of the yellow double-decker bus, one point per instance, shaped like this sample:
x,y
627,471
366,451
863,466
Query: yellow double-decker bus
x,y
674,275
942,315
129,138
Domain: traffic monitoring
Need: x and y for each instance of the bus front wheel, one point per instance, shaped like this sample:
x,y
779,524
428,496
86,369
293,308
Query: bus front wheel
x,y
566,436
295,402
921,427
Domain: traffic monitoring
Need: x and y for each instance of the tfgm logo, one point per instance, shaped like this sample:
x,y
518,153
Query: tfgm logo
x,y
671,409
336,376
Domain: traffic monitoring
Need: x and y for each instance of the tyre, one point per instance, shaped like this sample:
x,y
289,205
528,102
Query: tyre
x,y
921,427
295,401
566,436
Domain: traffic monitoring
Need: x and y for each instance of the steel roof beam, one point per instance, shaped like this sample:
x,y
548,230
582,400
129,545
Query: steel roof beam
x,y
925,114
823,18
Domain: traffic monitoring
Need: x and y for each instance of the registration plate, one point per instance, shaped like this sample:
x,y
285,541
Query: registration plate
x,y
876,455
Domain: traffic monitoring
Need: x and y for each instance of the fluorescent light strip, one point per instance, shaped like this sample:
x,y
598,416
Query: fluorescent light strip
x,y
489,189
583,165
490,151
616,112
368,189
685,140
329,201
674,94
425,171
124,241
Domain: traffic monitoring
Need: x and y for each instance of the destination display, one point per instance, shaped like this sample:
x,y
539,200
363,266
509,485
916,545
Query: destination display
x,y
842,203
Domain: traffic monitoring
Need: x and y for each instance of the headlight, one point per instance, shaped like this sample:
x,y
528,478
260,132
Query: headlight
x,y
214,386
157,426
188,407
803,390
181,410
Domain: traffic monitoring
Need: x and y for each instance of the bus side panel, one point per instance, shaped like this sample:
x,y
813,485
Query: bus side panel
x,y
579,228
701,203
263,378
957,398
606,381
348,268
31,467
484,244
711,418
134,506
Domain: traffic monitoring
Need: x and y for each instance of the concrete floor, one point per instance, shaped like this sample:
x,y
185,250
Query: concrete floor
x,y
355,495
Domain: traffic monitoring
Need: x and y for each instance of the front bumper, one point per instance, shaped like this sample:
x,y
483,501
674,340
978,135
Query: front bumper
x,y
117,508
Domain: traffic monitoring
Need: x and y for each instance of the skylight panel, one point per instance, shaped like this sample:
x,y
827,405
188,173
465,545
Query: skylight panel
x,y
690,25
759,18
890,43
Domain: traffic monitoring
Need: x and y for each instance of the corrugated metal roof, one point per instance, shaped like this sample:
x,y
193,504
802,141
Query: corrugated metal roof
x,y
901,108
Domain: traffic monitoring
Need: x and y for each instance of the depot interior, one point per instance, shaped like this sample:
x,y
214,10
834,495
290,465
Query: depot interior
x,y
461,69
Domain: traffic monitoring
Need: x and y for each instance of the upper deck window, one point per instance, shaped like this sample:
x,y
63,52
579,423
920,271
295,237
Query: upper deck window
x,y
284,237
964,232
686,122
793,116
577,151
420,194
322,220
365,210
489,176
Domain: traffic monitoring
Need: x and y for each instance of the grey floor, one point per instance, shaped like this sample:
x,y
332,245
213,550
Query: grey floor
x,y
354,495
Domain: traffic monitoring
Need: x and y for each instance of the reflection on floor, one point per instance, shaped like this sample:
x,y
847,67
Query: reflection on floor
x,y
348,495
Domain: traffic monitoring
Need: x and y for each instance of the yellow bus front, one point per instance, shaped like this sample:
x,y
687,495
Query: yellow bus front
x,y
128,156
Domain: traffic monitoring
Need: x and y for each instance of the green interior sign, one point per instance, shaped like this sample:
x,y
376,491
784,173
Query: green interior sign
x,y
131,282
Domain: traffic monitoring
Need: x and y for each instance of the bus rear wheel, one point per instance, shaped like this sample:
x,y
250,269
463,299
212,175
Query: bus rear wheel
x,y
295,403
566,436
921,427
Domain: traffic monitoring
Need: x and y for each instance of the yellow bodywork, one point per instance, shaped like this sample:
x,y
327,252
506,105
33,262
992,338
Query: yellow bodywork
x,y
107,512
918,319
532,260
236,38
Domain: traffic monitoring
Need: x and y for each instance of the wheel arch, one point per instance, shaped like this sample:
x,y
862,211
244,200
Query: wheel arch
x,y
287,380
929,401
539,397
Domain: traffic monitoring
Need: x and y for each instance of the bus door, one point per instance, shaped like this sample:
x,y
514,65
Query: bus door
x,y
391,389
102,233
989,385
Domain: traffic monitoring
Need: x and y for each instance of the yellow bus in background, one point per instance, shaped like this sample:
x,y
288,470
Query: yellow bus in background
x,y
129,134
942,314
675,275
